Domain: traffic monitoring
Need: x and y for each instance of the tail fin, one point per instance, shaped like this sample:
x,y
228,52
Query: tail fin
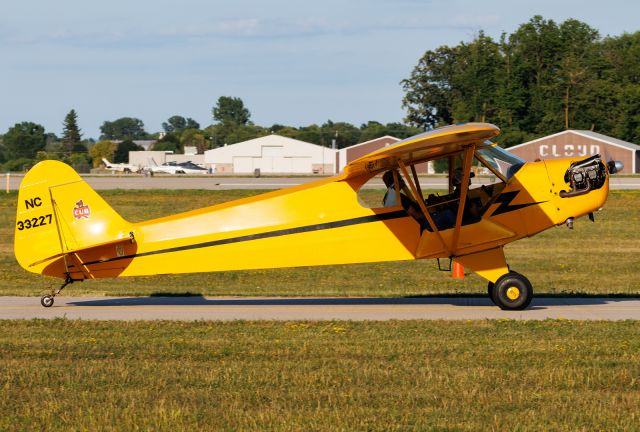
x,y
106,163
60,215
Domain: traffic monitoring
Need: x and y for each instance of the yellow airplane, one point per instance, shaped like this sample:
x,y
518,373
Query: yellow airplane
x,y
65,229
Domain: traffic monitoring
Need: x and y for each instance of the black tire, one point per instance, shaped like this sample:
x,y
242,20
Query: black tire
x,y
490,286
512,291
46,301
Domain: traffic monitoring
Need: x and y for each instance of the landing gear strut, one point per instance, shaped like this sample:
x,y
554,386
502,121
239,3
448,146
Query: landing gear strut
x,y
511,291
47,300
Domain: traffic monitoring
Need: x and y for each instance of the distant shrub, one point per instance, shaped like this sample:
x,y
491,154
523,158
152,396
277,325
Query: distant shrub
x,y
17,165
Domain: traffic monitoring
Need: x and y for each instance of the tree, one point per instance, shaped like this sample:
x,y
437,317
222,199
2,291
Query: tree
x,y
71,135
311,133
372,130
125,128
400,130
177,124
541,79
244,133
574,69
629,124
231,111
285,131
122,151
2,151
429,91
344,134
79,148
169,142
43,155
24,140
192,124
102,149
475,80
536,53
81,162
20,164
166,146
193,138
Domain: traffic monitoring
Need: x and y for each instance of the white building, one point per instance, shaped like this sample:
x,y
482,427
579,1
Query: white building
x,y
272,154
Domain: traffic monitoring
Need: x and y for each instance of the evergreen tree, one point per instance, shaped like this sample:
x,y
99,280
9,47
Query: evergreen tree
x,y
71,135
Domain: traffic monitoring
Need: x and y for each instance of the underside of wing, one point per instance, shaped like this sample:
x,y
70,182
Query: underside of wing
x,y
426,146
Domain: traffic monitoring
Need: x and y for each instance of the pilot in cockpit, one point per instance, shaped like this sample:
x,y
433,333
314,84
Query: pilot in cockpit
x,y
391,197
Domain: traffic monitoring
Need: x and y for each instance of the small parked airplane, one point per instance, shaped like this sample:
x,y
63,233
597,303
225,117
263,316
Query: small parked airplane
x,y
178,168
121,167
65,229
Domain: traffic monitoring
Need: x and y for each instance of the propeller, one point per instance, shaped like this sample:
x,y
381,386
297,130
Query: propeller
x,y
614,166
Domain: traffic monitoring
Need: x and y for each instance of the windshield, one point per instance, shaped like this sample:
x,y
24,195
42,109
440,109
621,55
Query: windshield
x,y
500,160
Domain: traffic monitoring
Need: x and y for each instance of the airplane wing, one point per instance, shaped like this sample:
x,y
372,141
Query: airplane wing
x,y
424,147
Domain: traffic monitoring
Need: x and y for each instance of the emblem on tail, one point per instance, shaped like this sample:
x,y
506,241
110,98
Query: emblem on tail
x,y
81,210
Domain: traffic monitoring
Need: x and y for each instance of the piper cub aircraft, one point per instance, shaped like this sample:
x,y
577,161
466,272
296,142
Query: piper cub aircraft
x,y
65,229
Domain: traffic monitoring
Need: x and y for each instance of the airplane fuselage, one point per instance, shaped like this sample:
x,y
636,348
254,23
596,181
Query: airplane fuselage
x,y
323,223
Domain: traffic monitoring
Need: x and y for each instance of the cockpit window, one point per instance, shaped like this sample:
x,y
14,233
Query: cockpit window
x,y
501,161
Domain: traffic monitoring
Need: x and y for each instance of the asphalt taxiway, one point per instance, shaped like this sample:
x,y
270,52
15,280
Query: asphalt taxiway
x,y
214,182
310,308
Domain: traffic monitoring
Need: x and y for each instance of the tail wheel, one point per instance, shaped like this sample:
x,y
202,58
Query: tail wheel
x,y
512,291
46,301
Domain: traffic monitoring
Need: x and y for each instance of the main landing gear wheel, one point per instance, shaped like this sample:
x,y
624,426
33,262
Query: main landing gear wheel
x,y
46,301
490,292
512,291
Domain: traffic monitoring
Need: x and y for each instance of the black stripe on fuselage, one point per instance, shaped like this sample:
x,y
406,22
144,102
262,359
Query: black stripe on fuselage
x,y
303,229
505,203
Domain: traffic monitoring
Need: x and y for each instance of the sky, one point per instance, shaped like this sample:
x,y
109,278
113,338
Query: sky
x,y
291,62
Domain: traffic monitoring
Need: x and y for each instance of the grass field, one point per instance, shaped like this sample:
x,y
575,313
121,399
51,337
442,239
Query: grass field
x,y
598,259
399,375
490,375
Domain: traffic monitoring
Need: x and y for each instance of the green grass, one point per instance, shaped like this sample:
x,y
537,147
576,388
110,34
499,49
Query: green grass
x,y
597,259
416,375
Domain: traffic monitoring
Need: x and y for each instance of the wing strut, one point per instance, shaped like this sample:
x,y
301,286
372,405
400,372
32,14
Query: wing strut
x,y
415,178
464,188
423,207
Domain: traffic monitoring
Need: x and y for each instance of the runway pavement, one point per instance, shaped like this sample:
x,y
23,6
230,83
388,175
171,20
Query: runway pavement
x,y
134,181
284,309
